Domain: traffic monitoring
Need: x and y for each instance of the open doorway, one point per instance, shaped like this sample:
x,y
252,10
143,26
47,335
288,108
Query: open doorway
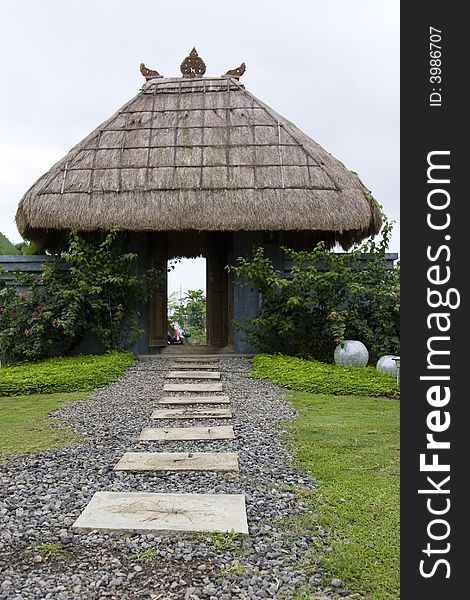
x,y
208,274
187,301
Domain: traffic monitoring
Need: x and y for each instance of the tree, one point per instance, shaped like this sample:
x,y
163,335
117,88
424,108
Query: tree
x,y
327,298
190,311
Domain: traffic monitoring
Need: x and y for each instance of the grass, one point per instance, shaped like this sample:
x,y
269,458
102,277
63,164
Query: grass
x,y
351,447
24,426
48,549
321,378
145,556
69,374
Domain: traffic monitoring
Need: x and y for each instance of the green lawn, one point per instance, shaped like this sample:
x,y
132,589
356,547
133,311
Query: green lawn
x,y
69,374
347,437
321,378
25,426
30,391
350,445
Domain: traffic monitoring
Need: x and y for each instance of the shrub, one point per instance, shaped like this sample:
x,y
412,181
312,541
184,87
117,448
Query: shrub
x,y
327,298
37,321
70,374
91,287
320,378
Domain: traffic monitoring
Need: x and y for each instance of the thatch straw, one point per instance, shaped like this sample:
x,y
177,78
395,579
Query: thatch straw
x,y
198,154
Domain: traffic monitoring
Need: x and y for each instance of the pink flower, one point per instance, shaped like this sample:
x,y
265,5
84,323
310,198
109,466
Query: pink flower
x,y
27,331
54,323
34,314
40,308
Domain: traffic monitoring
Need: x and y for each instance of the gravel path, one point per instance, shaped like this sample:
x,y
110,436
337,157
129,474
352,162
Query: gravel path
x,y
43,494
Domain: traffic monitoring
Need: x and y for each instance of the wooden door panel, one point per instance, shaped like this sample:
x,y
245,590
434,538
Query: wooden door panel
x,y
217,291
157,318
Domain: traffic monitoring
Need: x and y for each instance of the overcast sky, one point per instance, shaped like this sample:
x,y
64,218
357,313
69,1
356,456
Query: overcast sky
x,y
331,67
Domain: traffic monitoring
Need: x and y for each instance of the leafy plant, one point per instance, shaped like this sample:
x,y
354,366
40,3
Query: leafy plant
x,y
37,321
68,374
327,297
105,283
317,377
92,286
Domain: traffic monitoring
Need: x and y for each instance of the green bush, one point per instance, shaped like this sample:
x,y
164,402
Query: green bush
x,y
328,297
37,321
70,374
98,292
320,378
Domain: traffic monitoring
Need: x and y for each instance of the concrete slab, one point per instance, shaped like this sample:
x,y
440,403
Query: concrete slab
x,y
194,399
192,387
192,365
192,413
163,434
146,511
189,359
137,462
193,375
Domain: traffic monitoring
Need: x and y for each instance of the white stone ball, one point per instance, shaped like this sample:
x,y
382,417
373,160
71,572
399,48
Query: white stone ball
x,y
353,354
387,365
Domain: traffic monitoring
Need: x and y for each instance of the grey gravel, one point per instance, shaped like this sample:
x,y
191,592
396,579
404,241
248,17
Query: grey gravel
x,y
42,494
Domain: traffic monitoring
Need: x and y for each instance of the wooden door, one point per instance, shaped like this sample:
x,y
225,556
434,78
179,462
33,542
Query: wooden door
x,y
157,317
217,285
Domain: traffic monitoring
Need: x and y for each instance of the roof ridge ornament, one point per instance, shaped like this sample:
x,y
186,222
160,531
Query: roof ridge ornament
x,y
236,73
193,65
149,73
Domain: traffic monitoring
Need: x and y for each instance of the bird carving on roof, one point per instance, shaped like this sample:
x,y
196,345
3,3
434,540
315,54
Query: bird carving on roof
x,y
149,73
236,73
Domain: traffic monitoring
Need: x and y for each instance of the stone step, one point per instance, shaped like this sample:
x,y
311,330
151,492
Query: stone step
x,y
178,461
194,399
193,365
197,358
192,375
146,511
192,387
192,413
221,432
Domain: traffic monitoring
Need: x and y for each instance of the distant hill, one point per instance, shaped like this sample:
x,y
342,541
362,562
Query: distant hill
x,y
6,247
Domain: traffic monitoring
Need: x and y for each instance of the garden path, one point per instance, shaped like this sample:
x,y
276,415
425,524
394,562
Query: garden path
x,y
136,511
43,494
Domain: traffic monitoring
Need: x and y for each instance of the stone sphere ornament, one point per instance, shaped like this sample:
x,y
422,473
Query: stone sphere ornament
x,y
387,365
352,354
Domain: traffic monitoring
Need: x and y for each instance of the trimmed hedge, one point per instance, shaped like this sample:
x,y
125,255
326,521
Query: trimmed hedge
x,y
321,378
69,374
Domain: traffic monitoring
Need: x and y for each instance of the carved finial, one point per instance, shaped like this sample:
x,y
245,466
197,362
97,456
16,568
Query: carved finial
x,y
193,65
236,73
148,73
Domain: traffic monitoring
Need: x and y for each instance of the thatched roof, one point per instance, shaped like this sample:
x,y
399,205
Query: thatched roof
x,y
199,154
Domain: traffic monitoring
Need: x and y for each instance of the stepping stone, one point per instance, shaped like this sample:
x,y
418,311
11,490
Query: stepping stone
x,y
192,387
192,359
223,432
145,511
192,375
192,413
192,365
194,399
178,461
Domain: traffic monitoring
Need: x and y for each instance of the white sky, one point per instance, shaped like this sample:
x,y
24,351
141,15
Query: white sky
x,y
331,67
